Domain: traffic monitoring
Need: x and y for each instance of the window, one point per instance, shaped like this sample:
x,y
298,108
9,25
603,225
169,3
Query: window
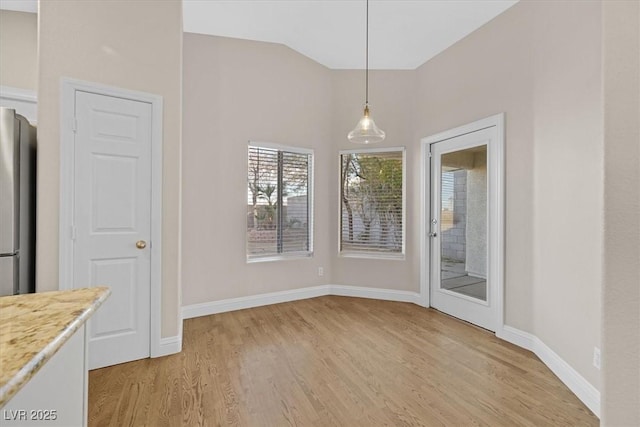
x,y
372,202
279,202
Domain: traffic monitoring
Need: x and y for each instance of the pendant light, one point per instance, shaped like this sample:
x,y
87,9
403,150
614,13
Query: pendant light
x,y
366,131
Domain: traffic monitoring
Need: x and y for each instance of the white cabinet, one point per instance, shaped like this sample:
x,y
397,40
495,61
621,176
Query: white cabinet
x,y
57,394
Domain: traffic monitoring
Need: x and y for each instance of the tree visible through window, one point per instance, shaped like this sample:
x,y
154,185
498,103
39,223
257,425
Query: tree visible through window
x,y
279,214
372,201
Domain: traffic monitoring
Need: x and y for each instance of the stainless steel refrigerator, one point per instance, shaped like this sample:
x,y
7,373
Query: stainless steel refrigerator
x,y
17,203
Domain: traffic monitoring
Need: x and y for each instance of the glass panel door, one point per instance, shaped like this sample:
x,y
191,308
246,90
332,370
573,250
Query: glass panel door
x,y
462,283
463,222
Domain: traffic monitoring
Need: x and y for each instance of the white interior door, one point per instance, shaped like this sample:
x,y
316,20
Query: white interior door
x,y
112,222
463,274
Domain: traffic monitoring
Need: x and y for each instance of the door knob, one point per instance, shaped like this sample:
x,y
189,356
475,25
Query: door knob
x,y
141,244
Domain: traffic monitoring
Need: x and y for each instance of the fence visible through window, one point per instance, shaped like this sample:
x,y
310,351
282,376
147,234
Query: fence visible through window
x,y
279,212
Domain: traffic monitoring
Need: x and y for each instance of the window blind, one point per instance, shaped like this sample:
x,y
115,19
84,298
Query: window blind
x,y
372,202
279,214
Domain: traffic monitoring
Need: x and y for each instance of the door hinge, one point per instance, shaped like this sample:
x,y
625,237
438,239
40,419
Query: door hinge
x,y
72,233
430,155
74,125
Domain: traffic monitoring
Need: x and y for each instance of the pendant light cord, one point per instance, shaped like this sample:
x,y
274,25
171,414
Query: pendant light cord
x,y
366,78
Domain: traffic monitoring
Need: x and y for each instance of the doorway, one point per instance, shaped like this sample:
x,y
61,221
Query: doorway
x,y
110,214
463,223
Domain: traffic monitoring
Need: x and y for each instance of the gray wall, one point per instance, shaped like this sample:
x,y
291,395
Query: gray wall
x,y
120,44
18,49
236,91
621,287
393,96
540,63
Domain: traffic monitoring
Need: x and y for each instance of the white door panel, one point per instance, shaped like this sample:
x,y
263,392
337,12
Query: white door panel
x,y
122,275
112,213
113,197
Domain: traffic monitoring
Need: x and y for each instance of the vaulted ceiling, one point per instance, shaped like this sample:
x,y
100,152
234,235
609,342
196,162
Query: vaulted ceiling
x,y
403,34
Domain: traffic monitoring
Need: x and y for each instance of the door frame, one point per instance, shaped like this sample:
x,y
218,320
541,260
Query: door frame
x,y
496,206
68,89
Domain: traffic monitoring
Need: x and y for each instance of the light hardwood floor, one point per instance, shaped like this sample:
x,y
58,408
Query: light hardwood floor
x,y
335,361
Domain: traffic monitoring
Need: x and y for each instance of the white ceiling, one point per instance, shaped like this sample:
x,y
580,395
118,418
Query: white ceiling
x,y
20,5
403,34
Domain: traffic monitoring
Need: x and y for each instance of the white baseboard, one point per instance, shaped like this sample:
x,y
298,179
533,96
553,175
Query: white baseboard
x,y
222,306
168,345
582,388
374,293
231,304
517,337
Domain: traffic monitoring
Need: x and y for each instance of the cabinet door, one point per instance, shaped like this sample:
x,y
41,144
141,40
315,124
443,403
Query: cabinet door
x,y
56,395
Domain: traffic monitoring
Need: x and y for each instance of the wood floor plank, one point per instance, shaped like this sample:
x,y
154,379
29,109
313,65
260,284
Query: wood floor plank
x,y
335,361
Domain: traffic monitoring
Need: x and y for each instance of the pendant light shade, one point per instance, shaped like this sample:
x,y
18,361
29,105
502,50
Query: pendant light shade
x,y
366,131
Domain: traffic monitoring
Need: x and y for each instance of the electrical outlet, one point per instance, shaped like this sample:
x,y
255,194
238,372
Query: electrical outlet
x,y
320,271
596,357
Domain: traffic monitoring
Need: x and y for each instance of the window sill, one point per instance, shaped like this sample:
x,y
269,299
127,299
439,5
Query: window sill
x,y
288,257
369,255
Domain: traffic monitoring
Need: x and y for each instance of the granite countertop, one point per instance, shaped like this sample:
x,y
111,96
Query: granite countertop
x,y
33,327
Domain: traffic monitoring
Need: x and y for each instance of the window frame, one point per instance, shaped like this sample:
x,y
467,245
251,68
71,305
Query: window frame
x,y
350,253
310,203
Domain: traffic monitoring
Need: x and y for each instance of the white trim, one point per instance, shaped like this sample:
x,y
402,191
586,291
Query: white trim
x,y
67,149
425,227
169,345
241,303
372,150
516,336
287,256
375,293
364,254
311,171
468,298
280,147
495,120
496,217
582,388
156,101
18,94
24,101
